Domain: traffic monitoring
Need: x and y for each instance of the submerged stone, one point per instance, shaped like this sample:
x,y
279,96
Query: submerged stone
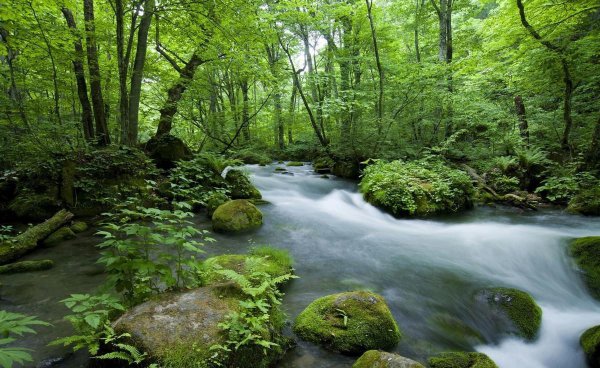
x,y
381,359
590,342
236,216
461,360
586,252
351,322
519,307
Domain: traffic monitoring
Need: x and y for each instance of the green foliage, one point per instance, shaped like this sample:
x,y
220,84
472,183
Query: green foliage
x,y
12,324
417,188
259,320
90,319
250,156
147,250
6,233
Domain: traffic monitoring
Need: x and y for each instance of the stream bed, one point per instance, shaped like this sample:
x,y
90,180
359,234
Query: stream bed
x,y
427,270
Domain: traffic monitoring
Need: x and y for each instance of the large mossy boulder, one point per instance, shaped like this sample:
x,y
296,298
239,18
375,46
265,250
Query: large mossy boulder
x,y
273,261
178,329
166,150
240,186
346,169
461,360
351,323
586,252
590,342
214,201
417,188
60,235
518,307
236,216
586,202
252,157
381,359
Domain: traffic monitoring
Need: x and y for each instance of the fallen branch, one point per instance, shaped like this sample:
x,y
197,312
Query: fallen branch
x,y
30,239
27,266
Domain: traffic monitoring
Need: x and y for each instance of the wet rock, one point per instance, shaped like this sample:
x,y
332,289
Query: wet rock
x,y
590,342
79,227
461,360
60,235
586,252
381,359
236,216
240,186
351,322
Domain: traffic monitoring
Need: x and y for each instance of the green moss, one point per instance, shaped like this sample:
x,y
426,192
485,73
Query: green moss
x,y
79,226
590,342
586,202
279,168
417,188
346,169
380,359
27,266
275,262
235,216
461,360
295,163
456,330
369,323
166,150
252,157
586,252
214,201
520,308
60,235
240,186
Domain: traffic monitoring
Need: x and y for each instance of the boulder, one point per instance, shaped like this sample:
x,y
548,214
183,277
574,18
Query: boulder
x,y
273,261
240,186
381,359
178,329
586,252
461,360
214,201
518,307
60,235
346,169
79,227
166,150
590,342
236,216
351,322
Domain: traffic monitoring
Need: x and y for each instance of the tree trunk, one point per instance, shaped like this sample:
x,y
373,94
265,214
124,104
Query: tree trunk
x,y
174,94
523,126
102,133
122,66
593,155
245,112
278,121
138,72
379,67
87,122
29,240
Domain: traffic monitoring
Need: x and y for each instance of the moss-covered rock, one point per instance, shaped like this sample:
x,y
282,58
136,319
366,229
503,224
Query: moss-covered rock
x,y
418,188
252,158
519,307
590,342
79,226
461,360
280,169
29,205
586,202
586,252
235,216
295,163
275,262
240,186
27,266
346,169
60,235
381,359
323,165
178,329
351,322
166,150
214,201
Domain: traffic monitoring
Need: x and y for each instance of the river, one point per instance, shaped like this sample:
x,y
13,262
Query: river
x,y
427,270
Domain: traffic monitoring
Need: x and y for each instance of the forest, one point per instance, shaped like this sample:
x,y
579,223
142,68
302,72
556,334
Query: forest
x,y
294,183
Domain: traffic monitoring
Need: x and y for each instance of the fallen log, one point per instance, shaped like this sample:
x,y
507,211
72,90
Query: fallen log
x,y
27,266
29,240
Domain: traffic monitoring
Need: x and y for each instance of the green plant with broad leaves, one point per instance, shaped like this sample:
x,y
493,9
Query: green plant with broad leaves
x,y
149,250
90,319
259,317
13,325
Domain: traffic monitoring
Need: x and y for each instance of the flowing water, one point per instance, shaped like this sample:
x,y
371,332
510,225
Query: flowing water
x,y
429,271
